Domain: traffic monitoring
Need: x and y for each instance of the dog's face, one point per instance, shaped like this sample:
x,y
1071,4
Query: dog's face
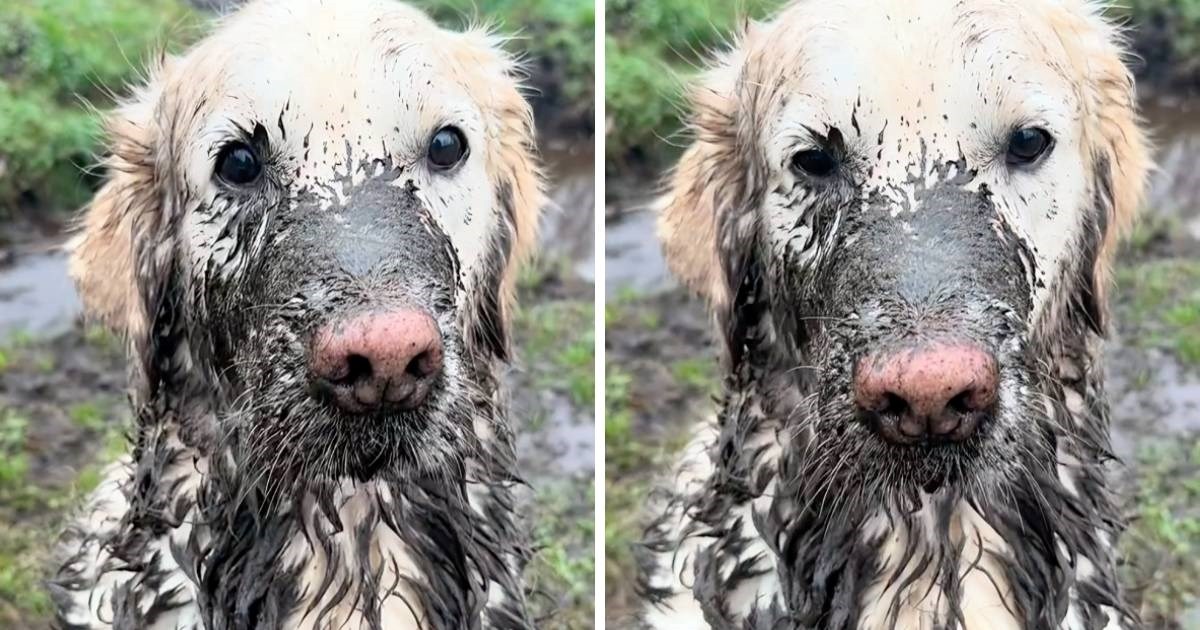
x,y
925,195
325,201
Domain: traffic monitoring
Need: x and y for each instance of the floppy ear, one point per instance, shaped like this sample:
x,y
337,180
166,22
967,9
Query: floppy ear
x,y
494,77
706,184
1124,140
1119,146
103,261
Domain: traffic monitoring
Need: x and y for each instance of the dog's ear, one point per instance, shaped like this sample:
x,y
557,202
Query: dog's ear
x,y
103,258
1119,148
495,77
707,183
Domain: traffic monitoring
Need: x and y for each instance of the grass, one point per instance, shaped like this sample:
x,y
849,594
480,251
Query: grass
x,y
1163,541
41,479
559,339
557,336
1161,301
651,49
627,460
645,411
559,567
14,463
53,55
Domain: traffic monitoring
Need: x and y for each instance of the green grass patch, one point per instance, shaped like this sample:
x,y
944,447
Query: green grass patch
x,y
622,452
1160,301
53,55
87,415
1163,541
558,340
14,463
696,373
565,564
21,558
651,51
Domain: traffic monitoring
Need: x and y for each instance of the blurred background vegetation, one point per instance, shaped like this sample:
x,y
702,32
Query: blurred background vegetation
x,y
63,411
54,56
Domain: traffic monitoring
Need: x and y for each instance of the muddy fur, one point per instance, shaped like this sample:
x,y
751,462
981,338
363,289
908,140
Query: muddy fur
x,y
248,502
792,512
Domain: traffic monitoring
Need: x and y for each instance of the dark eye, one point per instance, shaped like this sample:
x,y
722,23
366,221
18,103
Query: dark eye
x,y
1026,145
447,148
815,162
238,164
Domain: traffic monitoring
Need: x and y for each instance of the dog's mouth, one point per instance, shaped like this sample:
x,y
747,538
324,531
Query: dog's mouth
x,y
920,416
377,394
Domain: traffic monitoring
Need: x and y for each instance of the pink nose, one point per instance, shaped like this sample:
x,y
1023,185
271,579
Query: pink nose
x,y
938,392
377,360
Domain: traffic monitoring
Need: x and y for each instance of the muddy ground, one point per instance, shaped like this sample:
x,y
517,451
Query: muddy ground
x,y
63,412
661,378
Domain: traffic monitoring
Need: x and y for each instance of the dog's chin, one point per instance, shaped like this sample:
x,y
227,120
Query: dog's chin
x,y
398,446
873,462
383,446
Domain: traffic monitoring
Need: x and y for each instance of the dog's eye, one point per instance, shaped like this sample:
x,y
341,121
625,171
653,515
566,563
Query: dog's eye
x,y
447,148
238,164
1026,145
815,162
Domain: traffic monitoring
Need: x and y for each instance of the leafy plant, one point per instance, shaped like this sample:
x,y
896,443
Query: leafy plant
x,y
54,55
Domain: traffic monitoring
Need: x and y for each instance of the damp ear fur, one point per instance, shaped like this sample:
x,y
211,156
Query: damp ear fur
x,y
124,214
706,184
494,77
1114,140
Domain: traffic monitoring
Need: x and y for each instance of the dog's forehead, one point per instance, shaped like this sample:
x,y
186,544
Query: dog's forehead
x,y
937,74
334,83
326,55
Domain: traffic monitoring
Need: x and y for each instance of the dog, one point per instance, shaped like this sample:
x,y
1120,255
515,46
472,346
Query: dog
x,y
902,217
309,234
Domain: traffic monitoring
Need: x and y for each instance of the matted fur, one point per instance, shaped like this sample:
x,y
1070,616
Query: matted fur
x,y
243,505
788,513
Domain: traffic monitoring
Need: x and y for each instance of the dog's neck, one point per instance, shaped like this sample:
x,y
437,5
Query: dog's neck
x,y
1041,551
436,550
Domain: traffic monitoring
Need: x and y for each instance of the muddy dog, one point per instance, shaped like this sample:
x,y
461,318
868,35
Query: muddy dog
x,y
902,215
310,235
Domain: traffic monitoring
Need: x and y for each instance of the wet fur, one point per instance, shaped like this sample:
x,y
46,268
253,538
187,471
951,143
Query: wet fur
x,y
243,504
787,513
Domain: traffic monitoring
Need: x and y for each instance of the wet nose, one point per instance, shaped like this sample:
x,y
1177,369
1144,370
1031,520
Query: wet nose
x,y
376,361
938,392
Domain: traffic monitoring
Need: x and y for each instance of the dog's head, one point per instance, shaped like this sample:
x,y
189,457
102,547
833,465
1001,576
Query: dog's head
x,y
310,232
906,208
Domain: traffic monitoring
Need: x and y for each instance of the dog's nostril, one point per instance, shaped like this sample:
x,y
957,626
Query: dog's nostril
x,y
421,366
893,405
358,368
961,403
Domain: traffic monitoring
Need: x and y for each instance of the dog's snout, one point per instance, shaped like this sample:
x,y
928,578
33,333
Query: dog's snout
x,y
378,360
938,392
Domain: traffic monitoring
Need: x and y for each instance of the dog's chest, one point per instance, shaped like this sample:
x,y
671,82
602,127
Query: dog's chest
x,y
330,578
